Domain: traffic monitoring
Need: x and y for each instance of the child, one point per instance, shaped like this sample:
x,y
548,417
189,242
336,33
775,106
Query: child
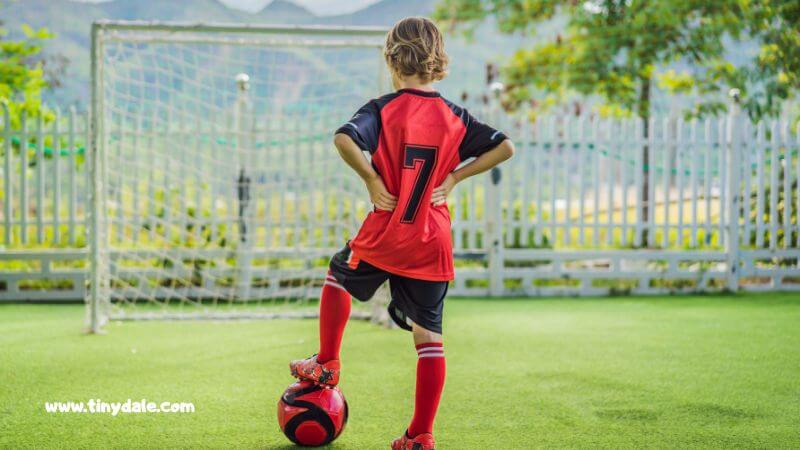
x,y
416,139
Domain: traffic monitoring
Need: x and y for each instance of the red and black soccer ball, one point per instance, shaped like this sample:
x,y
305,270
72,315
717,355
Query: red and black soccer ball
x,y
311,415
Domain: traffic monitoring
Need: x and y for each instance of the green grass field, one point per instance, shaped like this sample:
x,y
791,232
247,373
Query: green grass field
x,y
661,372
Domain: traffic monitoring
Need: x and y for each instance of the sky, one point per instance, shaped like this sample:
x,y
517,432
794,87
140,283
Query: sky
x,y
320,7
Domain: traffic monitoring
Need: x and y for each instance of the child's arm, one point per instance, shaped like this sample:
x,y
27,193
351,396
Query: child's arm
x,y
479,165
353,156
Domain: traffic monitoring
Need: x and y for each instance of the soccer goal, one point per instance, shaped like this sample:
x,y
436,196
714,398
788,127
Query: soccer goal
x,y
216,192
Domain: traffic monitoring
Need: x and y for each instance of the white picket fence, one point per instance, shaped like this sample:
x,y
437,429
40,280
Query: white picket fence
x,y
569,215
44,188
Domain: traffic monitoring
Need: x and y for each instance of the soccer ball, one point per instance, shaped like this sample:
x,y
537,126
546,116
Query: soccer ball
x,y
311,415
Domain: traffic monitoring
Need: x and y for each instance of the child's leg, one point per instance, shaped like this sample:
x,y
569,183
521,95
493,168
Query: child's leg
x,y
334,310
430,379
358,278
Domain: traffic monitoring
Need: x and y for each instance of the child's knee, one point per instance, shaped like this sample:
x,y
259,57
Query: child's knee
x,y
422,335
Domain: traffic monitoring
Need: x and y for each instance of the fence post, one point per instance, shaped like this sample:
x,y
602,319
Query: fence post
x,y
7,169
494,233
244,152
733,204
494,196
97,230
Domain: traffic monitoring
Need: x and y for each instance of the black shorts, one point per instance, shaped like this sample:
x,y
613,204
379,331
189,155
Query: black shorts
x,y
417,301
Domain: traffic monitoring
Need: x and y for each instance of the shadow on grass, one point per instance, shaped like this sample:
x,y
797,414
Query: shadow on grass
x,y
714,411
295,447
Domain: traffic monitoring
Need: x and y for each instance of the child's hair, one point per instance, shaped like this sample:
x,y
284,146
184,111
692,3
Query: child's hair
x,y
414,46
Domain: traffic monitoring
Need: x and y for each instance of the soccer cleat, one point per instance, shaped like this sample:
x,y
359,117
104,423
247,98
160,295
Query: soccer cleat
x,y
423,441
323,374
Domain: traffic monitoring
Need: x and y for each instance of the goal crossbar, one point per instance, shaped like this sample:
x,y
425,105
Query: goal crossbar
x,y
137,25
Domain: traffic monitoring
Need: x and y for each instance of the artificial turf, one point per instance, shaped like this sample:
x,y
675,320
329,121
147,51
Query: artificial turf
x,y
661,372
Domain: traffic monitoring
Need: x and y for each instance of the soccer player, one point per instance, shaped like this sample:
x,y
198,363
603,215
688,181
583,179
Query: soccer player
x,y
417,140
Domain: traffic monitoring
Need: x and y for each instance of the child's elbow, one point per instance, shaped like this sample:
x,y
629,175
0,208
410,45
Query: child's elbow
x,y
507,148
341,140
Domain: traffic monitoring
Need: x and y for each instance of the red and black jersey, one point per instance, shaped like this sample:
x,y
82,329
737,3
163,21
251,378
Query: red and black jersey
x,y
416,139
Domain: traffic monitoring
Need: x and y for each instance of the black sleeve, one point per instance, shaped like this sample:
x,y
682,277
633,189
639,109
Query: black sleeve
x,y
479,139
364,127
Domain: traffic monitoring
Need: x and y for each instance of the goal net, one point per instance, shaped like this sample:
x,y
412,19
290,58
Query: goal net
x,y
216,190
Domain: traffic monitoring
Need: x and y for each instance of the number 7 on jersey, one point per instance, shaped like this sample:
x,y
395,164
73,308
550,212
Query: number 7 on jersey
x,y
423,160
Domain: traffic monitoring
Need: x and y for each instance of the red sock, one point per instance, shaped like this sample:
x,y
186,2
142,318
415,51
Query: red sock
x,y
430,382
334,310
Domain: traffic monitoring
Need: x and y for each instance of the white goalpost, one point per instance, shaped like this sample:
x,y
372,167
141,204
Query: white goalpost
x,y
216,192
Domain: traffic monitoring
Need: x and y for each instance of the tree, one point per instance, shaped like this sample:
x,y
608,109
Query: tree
x,y
22,73
619,49
773,77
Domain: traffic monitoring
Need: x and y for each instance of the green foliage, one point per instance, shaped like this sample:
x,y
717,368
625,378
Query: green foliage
x,y
618,49
22,74
774,75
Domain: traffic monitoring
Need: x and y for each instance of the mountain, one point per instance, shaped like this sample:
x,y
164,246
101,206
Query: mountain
x,y
177,10
71,22
385,12
468,56
281,11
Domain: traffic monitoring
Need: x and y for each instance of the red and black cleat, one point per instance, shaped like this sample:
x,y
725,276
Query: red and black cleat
x,y
324,374
422,441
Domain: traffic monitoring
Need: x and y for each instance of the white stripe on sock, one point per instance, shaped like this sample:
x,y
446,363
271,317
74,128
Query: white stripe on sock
x,y
432,355
426,351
